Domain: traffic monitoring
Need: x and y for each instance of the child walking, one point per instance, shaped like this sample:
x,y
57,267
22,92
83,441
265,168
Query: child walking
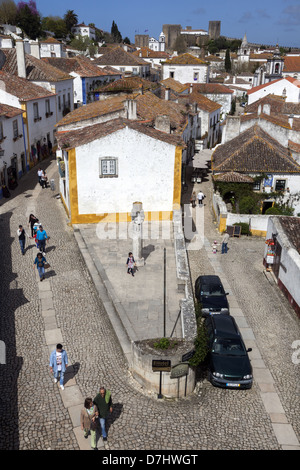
x,y
130,264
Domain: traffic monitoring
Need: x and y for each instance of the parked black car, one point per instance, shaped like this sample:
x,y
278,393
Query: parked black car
x,y
228,362
210,292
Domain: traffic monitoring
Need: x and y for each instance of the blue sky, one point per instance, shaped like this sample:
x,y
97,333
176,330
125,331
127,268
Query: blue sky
x,y
267,22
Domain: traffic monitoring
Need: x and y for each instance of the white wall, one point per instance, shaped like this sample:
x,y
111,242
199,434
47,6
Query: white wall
x,y
145,173
277,88
185,73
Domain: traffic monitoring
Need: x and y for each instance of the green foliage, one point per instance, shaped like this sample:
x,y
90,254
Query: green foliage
x,y
249,204
280,209
70,19
56,25
165,343
115,33
245,230
29,20
201,341
221,43
227,61
8,12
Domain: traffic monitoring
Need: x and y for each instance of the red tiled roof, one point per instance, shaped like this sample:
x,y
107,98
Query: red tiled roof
x,y
291,64
185,59
83,66
9,111
75,138
23,89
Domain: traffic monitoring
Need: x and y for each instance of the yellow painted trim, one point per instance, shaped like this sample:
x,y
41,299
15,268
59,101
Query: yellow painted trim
x,y
259,233
116,217
73,190
177,179
24,108
113,217
222,223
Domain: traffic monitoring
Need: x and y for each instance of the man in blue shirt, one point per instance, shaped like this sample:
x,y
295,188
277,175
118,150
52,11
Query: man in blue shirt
x,y
41,237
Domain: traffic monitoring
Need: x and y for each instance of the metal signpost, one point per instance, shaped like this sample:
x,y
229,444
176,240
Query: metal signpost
x,y
161,365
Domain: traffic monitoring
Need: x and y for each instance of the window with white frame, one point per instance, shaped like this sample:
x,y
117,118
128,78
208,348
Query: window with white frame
x,y
280,185
108,167
47,106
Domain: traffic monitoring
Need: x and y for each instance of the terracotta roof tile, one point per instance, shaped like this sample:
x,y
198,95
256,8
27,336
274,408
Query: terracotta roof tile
x,y
9,111
211,88
233,177
36,69
254,151
185,59
83,66
118,56
291,64
75,138
22,88
291,227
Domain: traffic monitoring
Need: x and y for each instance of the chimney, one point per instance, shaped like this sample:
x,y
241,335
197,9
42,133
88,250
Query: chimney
x,y
191,88
35,49
162,123
234,79
259,110
167,94
130,107
20,58
291,120
267,109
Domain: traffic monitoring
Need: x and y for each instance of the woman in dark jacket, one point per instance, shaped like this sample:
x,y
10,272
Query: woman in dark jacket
x,y
32,220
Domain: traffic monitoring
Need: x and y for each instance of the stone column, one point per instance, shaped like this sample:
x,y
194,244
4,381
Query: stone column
x,y
137,217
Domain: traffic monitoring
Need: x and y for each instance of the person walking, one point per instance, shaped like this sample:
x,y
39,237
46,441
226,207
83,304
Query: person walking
x,y
130,264
32,220
44,179
39,173
41,237
103,401
40,262
225,240
193,199
200,197
22,236
58,364
88,419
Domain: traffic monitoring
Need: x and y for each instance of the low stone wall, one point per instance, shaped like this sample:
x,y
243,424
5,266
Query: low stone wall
x,y
258,223
143,356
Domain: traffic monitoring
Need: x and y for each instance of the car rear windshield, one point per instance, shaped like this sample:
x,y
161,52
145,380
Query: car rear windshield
x,y
212,290
228,347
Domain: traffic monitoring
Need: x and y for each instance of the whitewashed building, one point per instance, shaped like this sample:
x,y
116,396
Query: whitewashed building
x,y
39,118
13,158
287,87
108,166
51,47
283,232
186,68
84,30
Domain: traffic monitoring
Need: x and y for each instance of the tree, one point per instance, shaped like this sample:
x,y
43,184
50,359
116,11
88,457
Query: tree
x,y
227,61
8,12
116,35
56,25
70,19
28,19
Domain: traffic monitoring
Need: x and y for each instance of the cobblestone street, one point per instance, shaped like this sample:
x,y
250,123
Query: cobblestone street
x,y
33,413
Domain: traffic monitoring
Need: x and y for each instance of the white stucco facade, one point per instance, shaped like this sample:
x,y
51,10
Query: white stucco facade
x,y
284,87
194,73
144,172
